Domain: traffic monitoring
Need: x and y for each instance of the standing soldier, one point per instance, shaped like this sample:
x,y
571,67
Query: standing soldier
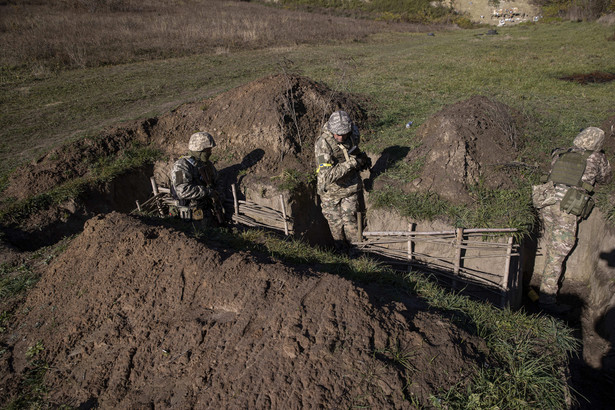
x,y
339,163
194,181
574,172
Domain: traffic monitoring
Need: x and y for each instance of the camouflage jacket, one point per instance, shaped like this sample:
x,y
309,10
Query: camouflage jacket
x,y
338,173
187,182
597,170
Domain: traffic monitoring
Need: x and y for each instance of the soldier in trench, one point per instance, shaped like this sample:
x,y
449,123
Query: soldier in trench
x,y
563,201
339,163
194,182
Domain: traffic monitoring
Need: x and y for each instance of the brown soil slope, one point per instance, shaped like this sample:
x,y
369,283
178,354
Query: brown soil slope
x,y
470,141
134,315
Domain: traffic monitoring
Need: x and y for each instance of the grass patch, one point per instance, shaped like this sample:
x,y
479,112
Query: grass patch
x,y
15,280
492,208
291,180
32,386
416,11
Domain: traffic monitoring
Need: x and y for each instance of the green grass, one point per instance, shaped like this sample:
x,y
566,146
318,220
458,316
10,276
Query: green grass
x,y
491,209
32,390
419,11
15,280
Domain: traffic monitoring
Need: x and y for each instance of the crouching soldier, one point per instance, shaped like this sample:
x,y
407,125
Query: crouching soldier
x,y
563,201
194,182
340,163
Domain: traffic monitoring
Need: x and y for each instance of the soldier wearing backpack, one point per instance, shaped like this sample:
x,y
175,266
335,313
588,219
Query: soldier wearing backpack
x,y
563,201
194,182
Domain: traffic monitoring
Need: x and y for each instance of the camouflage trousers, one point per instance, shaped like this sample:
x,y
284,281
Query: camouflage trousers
x,y
560,229
341,214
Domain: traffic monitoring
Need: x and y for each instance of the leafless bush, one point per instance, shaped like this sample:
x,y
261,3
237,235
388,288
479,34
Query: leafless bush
x,y
87,33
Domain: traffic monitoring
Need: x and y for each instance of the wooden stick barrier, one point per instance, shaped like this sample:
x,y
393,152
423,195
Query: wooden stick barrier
x,y
463,245
235,202
284,215
359,227
245,212
156,192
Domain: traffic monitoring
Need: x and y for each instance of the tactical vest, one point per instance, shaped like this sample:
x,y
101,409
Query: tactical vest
x,y
569,168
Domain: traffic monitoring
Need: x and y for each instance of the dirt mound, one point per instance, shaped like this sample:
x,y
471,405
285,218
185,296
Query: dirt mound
x,y
270,123
133,315
281,115
466,143
72,160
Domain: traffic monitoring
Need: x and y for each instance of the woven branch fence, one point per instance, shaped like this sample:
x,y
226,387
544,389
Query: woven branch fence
x,y
244,212
456,257
453,257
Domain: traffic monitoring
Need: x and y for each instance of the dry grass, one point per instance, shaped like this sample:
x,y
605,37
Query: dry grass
x,y
47,35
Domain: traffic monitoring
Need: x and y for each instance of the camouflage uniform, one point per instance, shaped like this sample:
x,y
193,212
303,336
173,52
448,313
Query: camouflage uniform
x,y
194,179
560,227
339,179
187,182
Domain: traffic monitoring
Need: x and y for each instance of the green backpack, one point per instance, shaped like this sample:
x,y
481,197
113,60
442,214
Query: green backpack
x,y
568,170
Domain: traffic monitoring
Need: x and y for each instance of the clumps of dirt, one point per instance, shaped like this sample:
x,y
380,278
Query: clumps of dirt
x,y
466,143
590,78
135,315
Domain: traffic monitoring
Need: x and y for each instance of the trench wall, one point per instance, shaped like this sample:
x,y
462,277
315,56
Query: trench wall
x,y
489,265
590,276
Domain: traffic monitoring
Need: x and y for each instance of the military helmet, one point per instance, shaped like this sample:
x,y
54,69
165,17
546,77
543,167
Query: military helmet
x,y
339,123
591,138
200,141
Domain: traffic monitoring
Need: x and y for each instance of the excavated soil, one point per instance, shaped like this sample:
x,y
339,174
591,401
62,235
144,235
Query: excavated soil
x,y
472,141
262,129
269,125
134,315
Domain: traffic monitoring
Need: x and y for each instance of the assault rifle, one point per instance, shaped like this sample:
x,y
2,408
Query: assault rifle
x,y
216,204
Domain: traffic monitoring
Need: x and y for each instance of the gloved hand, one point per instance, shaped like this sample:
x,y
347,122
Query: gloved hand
x,y
363,161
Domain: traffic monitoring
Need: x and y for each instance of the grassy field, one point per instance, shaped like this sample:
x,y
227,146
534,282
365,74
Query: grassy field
x,y
408,76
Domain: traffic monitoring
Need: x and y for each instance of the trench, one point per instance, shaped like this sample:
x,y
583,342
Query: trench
x,y
587,284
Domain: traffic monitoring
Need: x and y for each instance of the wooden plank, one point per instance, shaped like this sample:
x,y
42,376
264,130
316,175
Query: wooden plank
x,y
504,284
284,215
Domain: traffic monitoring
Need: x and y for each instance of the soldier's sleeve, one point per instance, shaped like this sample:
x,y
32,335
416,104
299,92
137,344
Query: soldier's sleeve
x,y
598,169
328,170
186,187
